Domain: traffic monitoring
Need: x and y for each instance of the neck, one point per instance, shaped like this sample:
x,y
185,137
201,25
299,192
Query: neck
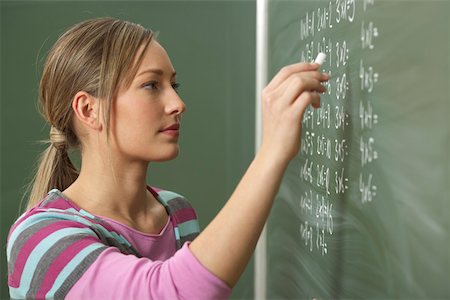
x,y
112,188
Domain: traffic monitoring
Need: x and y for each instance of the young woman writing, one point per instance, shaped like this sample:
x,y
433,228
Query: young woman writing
x,y
108,89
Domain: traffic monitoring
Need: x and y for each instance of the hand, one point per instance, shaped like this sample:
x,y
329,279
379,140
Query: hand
x,y
284,101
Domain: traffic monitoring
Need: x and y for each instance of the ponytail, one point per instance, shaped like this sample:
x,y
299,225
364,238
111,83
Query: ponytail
x,y
55,169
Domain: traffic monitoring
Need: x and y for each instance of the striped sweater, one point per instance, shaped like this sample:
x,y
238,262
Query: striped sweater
x,y
57,250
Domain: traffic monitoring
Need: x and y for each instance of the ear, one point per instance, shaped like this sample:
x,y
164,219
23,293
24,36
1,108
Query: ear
x,y
87,108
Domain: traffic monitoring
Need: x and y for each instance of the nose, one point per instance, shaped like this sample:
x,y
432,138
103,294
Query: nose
x,y
175,105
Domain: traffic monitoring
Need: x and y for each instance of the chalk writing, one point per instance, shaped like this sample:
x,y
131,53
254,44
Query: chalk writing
x,y
367,188
318,210
307,26
328,133
367,35
368,77
341,53
367,116
345,10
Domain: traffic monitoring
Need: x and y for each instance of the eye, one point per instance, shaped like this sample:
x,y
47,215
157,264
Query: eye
x,y
176,86
152,85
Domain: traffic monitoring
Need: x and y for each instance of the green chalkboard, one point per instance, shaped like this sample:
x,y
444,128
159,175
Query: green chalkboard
x,y
364,210
212,47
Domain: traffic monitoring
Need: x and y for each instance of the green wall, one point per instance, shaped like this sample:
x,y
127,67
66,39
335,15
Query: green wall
x,y
212,47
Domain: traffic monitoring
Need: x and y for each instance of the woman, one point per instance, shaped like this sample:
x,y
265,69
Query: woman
x,y
108,89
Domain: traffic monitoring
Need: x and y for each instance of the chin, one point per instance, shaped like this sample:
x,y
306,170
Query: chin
x,y
166,155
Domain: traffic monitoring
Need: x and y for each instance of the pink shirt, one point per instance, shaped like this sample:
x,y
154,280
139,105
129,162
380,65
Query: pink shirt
x,y
165,274
57,250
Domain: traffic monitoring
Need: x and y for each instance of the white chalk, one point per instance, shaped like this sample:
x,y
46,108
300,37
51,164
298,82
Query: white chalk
x,y
320,59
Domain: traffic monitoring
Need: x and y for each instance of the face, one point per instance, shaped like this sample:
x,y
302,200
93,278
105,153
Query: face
x,y
145,119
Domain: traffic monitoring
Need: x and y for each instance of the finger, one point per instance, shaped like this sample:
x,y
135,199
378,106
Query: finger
x,y
315,103
314,74
302,82
298,85
324,77
287,71
305,99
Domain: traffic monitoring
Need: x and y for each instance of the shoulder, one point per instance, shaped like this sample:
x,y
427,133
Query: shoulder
x,y
54,241
181,212
170,199
54,214
166,196
45,245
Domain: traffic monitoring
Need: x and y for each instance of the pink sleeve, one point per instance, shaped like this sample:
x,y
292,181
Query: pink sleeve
x,y
114,275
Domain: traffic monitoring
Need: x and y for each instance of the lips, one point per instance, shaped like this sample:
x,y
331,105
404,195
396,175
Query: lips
x,y
173,130
175,126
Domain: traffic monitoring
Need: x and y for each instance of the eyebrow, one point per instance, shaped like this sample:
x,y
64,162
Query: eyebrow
x,y
156,71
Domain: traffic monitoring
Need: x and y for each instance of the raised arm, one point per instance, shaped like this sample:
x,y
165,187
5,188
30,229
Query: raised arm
x,y
227,243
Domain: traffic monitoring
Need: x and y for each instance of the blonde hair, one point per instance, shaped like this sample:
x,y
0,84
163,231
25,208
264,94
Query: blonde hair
x,y
95,56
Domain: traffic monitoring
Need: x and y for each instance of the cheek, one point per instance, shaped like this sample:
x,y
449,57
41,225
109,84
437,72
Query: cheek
x,y
135,123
